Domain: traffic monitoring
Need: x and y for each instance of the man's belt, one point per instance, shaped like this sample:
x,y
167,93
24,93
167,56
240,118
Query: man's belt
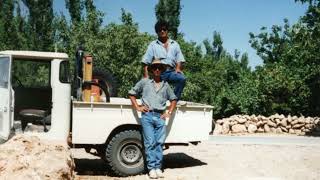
x,y
157,111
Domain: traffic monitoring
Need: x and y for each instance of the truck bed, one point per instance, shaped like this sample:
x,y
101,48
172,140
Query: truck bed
x,y
92,122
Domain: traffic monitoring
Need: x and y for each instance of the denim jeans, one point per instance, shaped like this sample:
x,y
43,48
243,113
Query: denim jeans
x,y
178,79
154,134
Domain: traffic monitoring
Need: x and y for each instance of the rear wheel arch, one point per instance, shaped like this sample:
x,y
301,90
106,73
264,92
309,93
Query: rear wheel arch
x,y
123,128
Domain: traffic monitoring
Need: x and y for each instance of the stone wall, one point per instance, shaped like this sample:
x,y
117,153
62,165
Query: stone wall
x,y
273,124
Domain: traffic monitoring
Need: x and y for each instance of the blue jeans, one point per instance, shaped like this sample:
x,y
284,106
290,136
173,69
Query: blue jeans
x,y
178,79
154,134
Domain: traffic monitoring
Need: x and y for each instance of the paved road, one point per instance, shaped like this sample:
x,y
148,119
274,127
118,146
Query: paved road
x,y
267,140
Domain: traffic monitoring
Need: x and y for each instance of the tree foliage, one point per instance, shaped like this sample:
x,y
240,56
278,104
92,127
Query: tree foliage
x,y
290,76
40,24
288,81
75,8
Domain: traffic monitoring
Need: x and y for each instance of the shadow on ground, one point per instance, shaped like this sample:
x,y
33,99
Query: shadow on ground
x,y
180,160
98,167
91,167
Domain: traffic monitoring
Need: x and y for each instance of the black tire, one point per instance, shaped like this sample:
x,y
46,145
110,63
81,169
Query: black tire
x,y
124,153
105,78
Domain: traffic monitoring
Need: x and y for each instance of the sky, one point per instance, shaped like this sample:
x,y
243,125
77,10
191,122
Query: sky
x,y
233,19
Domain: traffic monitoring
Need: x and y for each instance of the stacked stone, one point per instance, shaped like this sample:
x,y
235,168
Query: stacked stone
x,y
272,124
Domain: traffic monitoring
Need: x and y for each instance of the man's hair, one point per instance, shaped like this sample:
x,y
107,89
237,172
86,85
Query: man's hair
x,y
160,24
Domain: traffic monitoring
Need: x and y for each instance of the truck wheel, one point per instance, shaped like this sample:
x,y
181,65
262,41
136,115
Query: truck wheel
x,y
124,153
107,79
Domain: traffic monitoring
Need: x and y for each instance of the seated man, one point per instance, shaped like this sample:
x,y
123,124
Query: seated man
x,y
168,51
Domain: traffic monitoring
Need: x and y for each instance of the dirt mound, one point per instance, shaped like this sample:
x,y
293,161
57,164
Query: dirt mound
x,y
28,157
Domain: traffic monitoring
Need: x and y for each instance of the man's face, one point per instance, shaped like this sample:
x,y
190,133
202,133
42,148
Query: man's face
x,y
163,32
157,69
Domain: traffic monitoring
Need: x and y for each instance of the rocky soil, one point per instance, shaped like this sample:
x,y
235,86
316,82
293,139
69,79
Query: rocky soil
x,y
28,158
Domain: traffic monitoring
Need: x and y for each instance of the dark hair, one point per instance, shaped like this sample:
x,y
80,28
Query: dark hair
x,y
160,24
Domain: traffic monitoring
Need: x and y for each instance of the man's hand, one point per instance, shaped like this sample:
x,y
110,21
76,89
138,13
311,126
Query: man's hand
x,y
179,71
168,114
136,106
142,108
165,115
178,68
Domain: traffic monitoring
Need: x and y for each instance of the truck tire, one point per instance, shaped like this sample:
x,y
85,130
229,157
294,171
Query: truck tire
x,y
106,79
124,153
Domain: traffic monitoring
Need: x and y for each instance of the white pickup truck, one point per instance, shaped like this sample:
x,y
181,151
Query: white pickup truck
x,y
45,108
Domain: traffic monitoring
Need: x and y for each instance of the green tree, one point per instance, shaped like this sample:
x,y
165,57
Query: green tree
x,y
169,11
121,51
291,74
75,8
217,45
40,24
21,28
94,17
244,61
215,50
214,77
7,26
208,47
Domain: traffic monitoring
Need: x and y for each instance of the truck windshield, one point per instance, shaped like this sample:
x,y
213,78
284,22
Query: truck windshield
x,y
31,73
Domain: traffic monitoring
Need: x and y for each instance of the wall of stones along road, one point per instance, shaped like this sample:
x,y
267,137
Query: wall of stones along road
x,y
242,124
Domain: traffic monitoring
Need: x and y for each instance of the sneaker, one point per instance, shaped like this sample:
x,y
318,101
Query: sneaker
x,y
159,173
182,103
153,174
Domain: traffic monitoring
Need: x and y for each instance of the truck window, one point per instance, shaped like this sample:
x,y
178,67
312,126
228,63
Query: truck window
x,y
64,76
31,73
4,72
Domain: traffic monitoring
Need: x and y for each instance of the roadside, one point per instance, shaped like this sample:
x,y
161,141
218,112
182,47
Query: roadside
x,y
266,139
214,160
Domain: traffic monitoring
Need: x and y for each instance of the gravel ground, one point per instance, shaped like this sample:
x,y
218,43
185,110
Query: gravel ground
x,y
221,162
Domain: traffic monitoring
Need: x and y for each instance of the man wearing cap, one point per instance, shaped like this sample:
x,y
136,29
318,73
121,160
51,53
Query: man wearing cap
x,y
168,51
154,95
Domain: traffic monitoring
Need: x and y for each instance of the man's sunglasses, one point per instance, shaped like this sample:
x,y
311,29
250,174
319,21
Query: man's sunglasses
x,y
162,29
155,67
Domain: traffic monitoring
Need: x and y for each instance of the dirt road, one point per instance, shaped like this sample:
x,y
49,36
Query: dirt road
x,y
211,160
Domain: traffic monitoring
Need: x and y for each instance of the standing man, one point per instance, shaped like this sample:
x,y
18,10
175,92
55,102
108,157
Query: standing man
x,y
155,93
168,51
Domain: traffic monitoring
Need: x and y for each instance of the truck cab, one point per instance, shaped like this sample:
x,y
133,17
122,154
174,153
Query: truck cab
x,y
35,98
35,94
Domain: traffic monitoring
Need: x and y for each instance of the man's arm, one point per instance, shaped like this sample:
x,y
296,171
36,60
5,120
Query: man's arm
x,y
145,71
135,91
173,102
173,105
178,67
179,59
136,106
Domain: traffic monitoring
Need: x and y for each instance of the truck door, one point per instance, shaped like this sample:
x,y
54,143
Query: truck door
x,y
6,96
